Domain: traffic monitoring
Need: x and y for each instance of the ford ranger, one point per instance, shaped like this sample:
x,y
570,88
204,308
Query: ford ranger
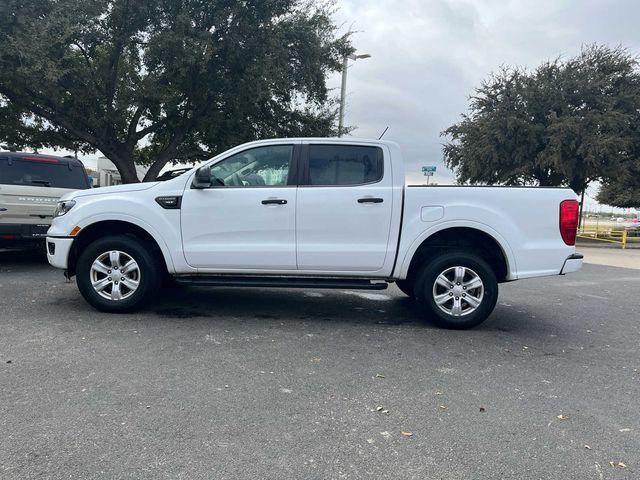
x,y
314,213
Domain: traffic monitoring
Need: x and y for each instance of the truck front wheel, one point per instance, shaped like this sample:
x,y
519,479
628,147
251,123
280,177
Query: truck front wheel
x,y
457,290
118,274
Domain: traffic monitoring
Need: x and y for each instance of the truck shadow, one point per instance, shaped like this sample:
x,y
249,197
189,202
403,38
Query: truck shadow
x,y
23,256
252,305
285,304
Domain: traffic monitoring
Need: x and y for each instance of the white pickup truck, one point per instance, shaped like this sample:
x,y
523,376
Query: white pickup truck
x,y
314,213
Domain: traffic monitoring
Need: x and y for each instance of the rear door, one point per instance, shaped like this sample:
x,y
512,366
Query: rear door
x,y
344,208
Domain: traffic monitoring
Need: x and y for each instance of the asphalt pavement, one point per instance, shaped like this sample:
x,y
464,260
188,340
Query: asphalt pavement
x,y
227,383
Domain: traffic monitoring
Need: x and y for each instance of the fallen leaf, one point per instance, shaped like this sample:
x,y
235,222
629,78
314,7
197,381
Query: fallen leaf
x,y
587,447
438,392
622,465
379,409
385,411
9,361
625,429
562,417
482,409
443,407
379,375
611,464
524,347
407,434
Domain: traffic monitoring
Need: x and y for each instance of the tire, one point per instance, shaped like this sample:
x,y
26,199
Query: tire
x,y
452,308
406,287
101,259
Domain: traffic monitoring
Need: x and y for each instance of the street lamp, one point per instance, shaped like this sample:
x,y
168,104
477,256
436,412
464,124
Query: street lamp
x,y
343,89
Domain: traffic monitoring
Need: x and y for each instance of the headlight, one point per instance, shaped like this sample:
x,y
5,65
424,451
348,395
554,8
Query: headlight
x,y
63,207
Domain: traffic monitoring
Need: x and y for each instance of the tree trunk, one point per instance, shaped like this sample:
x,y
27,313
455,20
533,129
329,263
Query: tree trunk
x,y
126,167
581,209
154,170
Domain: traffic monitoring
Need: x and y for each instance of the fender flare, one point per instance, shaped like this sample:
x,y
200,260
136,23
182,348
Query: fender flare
x,y
500,240
119,217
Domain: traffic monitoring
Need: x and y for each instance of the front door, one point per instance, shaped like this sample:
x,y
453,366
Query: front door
x,y
246,219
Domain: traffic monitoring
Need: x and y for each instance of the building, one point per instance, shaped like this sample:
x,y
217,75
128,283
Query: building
x,y
107,173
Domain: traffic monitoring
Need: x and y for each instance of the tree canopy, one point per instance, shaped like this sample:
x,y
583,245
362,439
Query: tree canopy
x,y
568,122
164,80
623,191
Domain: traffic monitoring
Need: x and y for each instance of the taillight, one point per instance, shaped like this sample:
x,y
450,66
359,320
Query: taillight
x,y
569,221
40,160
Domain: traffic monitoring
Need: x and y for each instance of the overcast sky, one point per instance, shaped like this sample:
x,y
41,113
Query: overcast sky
x,y
428,55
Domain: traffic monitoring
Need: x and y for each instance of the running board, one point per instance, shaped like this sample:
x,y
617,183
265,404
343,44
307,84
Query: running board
x,y
284,282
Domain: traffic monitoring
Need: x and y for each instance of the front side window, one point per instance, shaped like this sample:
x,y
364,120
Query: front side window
x,y
344,164
257,167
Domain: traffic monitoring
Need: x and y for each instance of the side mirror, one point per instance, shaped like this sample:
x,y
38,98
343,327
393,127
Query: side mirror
x,y
202,178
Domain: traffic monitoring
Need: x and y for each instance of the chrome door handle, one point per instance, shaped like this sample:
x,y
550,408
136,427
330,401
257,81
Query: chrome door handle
x,y
274,201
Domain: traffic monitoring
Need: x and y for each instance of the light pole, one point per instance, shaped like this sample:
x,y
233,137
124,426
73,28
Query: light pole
x,y
343,89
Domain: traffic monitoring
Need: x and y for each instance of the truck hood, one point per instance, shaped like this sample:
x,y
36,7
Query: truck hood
x,y
130,187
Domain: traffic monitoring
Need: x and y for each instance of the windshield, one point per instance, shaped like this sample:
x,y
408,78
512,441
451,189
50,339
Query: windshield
x,y
43,172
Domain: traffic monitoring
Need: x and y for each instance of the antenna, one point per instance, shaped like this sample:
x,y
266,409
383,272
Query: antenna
x,y
385,131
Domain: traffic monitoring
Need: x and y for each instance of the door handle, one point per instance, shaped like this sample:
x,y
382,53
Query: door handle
x,y
274,201
370,200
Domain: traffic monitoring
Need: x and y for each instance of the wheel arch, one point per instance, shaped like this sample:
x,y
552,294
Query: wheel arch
x,y
473,237
100,228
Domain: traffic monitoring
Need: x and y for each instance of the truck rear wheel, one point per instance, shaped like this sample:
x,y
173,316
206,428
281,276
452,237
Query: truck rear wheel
x,y
456,290
118,274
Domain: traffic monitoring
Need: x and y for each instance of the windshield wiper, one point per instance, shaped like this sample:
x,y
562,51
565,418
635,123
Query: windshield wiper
x,y
44,183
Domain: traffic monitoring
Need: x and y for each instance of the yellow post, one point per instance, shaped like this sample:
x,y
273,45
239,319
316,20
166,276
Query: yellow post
x,y
624,238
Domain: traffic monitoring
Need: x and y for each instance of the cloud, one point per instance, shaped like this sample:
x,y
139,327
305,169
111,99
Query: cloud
x,y
428,55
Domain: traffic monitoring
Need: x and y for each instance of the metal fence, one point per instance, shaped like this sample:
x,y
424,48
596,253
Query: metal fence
x,y
606,233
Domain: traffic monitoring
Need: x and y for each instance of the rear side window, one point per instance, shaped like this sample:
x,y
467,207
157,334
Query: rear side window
x,y
42,172
344,165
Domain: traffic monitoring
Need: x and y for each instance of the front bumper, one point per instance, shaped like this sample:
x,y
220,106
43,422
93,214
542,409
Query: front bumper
x,y
573,263
58,249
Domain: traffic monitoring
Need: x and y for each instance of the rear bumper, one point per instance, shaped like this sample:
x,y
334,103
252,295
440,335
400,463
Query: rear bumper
x,y
573,263
58,249
23,231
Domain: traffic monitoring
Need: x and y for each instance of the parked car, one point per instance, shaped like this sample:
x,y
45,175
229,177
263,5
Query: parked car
x,y
314,213
30,187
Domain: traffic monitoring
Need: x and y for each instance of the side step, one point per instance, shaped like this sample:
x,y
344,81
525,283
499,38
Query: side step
x,y
284,282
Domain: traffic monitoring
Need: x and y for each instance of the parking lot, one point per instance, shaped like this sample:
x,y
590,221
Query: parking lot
x,y
251,383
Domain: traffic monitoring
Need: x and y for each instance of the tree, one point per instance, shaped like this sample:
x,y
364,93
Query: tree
x,y
620,195
624,190
565,123
148,82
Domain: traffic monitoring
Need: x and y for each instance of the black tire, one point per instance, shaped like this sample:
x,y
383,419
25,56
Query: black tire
x,y
406,287
426,289
150,273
